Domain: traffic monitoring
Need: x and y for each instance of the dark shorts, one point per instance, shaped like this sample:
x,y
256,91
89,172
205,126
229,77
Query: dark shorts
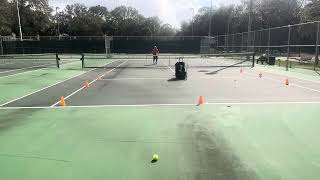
x,y
155,57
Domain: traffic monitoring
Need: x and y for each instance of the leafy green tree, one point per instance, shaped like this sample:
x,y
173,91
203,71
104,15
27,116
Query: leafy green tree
x,y
167,30
273,13
5,18
35,16
151,26
311,11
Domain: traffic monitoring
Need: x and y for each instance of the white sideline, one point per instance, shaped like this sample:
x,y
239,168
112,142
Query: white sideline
x,y
12,70
290,84
73,93
46,87
30,71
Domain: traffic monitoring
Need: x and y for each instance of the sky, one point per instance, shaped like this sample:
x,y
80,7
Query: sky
x,y
169,11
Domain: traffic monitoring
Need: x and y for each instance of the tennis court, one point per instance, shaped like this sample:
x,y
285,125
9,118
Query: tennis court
x,y
13,64
121,110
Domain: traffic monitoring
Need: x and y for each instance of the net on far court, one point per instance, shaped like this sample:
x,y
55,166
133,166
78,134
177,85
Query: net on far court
x,y
168,60
17,61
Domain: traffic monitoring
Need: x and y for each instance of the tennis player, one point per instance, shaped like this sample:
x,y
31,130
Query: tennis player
x,y
155,53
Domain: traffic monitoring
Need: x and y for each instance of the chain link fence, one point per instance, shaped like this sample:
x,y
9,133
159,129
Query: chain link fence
x,y
292,46
100,44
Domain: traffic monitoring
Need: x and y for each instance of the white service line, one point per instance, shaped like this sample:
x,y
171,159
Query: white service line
x,y
20,69
290,84
47,87
22,72
216,77
119,79
274,74
73,93
151,105
31,70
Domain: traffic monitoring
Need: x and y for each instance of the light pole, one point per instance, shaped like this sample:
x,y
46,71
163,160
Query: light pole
x,y
192,21
228,32
249,25
19,21
58,31
210,19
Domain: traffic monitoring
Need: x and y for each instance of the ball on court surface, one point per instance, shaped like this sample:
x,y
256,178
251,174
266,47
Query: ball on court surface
x,y
155,157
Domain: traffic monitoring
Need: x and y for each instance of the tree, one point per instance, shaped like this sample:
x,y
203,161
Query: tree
x,y
151,26
5,18
273,13
77,19
125,21
311,11
166,30
35,16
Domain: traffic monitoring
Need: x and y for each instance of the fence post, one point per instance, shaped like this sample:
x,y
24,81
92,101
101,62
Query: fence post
x,y
241,42
288,51
105,45
269,38
316,58
218,43
1,46
253,42
225,42
232,44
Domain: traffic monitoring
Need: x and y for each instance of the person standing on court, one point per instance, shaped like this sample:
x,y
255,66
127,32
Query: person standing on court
x,y
155,53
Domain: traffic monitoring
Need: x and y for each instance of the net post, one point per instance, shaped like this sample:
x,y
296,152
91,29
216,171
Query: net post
x,y
253,58
288,50
316,58
57,60
82,60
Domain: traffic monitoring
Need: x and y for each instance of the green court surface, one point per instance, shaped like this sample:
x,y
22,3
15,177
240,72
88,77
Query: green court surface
x,y
21,84
242,141
293,72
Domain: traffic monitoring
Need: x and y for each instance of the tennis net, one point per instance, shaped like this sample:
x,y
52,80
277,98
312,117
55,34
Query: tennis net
x,y
28,61
165,60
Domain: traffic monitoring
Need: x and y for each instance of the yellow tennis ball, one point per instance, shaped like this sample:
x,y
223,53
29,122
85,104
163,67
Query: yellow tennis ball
x,y
155,157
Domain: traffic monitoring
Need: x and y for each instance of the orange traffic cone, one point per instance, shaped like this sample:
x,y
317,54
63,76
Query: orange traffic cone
x,y
260,75
200,100
62,101
286,82
86,84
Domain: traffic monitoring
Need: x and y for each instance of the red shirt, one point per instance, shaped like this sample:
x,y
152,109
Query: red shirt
x,y
155,51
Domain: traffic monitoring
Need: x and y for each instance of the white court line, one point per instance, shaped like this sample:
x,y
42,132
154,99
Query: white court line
x,y
169,67
73,93
119,79
216,77
318,82
33,70
30,71
46,87
153,105
20,69
23,72
290,84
